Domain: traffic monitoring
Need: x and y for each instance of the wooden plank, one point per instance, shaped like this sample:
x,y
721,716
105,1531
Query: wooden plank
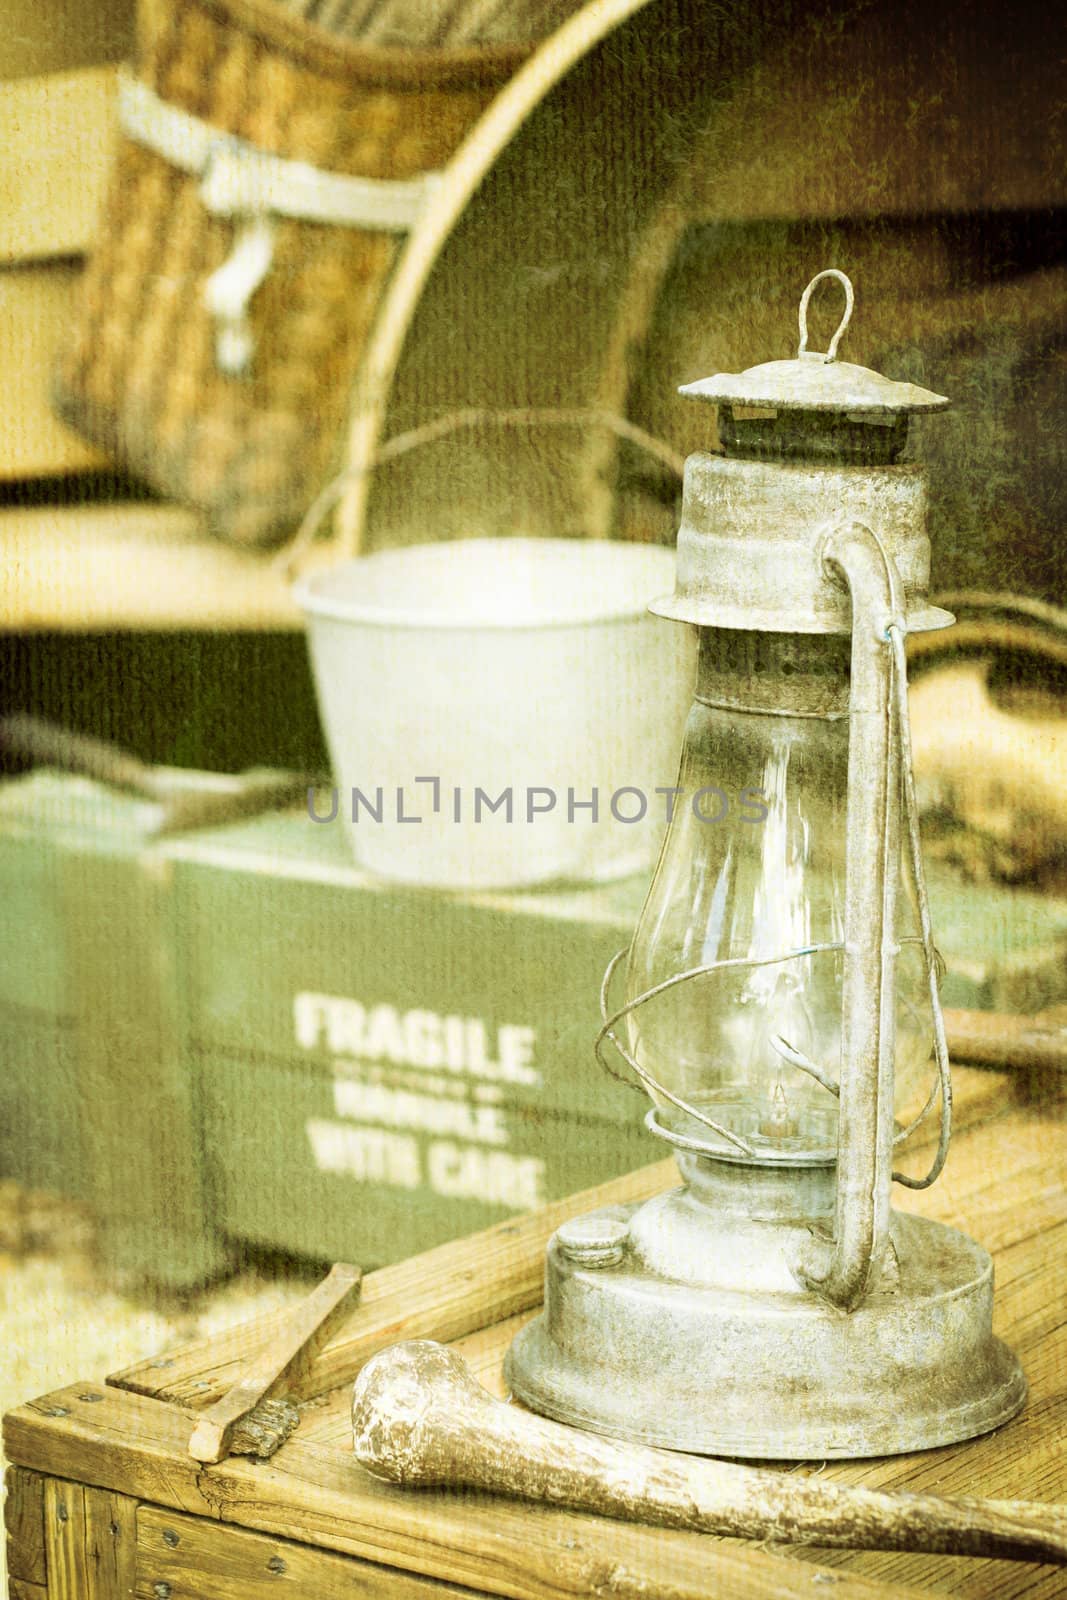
x,y
948,1575
1032,1282
997,1039
973,1186
1001,1220
90,1543
35,306
319,1496
214,1562
24,1525
988,1156
443,1294
64,1535
110,1544
20,1589
95,1435
298,1495
977,1097
132,565
56,138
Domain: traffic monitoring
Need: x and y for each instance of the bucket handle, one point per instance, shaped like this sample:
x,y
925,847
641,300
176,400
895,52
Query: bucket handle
x,y
288,558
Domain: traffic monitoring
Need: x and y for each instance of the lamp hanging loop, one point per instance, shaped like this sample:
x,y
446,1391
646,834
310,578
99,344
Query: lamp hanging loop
x,y
805,299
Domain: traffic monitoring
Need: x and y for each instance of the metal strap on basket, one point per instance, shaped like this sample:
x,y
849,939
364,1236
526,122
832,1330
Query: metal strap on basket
x,y
241,181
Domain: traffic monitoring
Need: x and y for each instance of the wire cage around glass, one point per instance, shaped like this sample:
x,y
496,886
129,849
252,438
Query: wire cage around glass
x,y
734,977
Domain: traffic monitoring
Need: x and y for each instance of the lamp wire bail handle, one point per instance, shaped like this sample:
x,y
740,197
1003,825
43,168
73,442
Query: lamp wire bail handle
x,y
805,299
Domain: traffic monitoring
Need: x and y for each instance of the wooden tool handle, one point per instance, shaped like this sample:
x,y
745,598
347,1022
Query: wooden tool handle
x,y
47,744
281,1363
418,1417
998,1039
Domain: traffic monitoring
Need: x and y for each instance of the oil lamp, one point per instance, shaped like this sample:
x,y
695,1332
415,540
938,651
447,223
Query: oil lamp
x,y
781,999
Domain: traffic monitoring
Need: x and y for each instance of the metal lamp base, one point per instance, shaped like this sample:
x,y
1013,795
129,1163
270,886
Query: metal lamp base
x,y
735,1359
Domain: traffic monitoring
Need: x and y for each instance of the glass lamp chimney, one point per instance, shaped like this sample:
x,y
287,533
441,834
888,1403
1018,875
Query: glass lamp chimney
x,y
750,893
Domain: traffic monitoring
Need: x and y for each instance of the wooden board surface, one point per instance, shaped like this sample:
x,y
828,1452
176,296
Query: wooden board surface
x,y
443,1294
56,140
34,312
89,1542
1006,1182
24,1525
196,1556
317,1496
131,565
41,36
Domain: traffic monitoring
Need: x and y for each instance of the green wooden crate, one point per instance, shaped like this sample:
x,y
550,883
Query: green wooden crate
x,y
39,1123
235,1035
96,1098
383,1067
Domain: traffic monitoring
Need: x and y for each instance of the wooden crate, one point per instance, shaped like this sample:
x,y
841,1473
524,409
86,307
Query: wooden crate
x,y
104,1500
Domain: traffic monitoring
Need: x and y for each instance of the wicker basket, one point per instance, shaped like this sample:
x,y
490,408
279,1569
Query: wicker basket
x,y
141,375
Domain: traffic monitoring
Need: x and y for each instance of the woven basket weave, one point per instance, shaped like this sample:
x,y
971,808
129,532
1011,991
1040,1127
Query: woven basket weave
x,y
139,375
